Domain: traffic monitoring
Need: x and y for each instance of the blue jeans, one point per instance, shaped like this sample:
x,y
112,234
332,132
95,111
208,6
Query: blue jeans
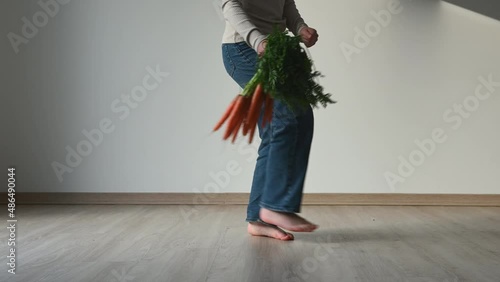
x,y
283,154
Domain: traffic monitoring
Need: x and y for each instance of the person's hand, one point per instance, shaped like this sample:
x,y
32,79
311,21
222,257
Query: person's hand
x,y
309,36
262,47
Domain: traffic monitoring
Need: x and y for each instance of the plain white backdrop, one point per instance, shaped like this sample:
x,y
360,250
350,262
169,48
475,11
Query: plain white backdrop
x,y
393,90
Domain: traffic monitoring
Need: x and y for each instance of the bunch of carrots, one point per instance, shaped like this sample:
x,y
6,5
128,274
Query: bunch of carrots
x,y
244,112
285,73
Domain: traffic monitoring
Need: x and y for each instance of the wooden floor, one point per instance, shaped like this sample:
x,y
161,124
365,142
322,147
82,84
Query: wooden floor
x,y
210,243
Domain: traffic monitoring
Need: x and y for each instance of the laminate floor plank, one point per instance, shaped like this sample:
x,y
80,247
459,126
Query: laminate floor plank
x,y
176,243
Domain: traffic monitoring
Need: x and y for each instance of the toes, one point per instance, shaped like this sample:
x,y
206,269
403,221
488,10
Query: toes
x,y
287,237
268,230
280,234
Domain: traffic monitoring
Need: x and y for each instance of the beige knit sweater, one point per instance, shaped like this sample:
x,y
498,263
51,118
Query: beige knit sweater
x,y
252,20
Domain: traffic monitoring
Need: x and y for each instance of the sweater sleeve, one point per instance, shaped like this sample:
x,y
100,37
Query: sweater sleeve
x,y
236,16
294,21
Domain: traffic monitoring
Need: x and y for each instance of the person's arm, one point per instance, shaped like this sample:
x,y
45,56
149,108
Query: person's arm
x,y
297,26
294,21
236,16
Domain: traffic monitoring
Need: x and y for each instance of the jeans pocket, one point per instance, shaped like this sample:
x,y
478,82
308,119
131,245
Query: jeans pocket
x,y
227,60
246,53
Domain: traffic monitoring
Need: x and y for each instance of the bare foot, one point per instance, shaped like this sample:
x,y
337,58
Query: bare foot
x,y
289,221
261,229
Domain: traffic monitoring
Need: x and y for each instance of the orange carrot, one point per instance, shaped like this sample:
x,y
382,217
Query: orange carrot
x,y
235,132
245,116
232,119
241,117
268,111
260,102
226,114
252,132
255,107
246,126
251,110
244,131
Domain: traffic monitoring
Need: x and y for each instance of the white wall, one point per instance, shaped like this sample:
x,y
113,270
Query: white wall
x,y
66,77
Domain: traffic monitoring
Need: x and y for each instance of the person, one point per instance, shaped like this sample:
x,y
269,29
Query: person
x,y
278,180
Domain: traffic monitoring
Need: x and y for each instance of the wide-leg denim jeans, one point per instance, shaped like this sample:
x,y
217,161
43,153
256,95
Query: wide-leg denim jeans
x,y
283,154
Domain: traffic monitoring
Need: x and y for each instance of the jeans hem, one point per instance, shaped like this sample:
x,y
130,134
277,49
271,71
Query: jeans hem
x,y
279,209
